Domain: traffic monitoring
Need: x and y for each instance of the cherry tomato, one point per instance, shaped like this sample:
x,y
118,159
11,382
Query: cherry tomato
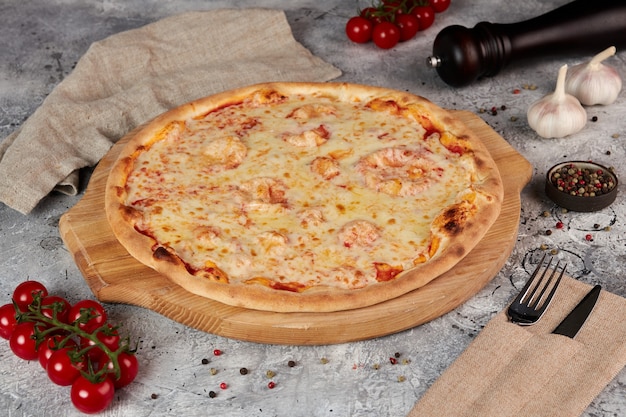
x,y
91,307
61,370
409,26
7,321
392,7
51,344
129,368
386,35
109,338
359,29
439,5
425,15
23,293
22,341
89,397
369,13
52,302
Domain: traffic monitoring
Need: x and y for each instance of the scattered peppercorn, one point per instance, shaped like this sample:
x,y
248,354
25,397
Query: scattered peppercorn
x,y
406,361
397,354
212,394
548,232
217,352
543,246
596,226
243,371
324,361
376,366
393,361
615,135
205,361
223,385
401,378
594,119
271,385
213,371
546,213
291,364
554,251
559,225
516,91
607,228
270,374
154,396
589,238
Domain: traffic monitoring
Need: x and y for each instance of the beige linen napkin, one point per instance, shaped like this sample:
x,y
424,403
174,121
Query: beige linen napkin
x,y
510,370
130,77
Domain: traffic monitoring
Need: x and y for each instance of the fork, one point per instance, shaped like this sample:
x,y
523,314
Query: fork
x,y
535,297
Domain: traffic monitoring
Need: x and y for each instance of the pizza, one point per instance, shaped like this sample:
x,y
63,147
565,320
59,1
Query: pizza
x,y
303,197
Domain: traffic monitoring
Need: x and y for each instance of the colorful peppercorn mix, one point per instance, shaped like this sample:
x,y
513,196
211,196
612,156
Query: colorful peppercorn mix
x,y
580,181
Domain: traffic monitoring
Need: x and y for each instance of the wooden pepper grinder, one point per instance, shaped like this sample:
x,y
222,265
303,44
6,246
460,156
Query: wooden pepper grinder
x,y
462,55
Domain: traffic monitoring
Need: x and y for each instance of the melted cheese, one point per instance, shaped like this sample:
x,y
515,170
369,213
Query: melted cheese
x,y
317,193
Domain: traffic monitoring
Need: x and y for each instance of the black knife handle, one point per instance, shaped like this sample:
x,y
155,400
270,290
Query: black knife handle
x,y
462,55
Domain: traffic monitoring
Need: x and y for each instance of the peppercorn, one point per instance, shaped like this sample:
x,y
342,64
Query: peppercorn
x,y
205,361
217,352
291,364
212,394
270,374
397,354
594,119
223,385
548,232
243,371
271,385
154,396
393,361
583,182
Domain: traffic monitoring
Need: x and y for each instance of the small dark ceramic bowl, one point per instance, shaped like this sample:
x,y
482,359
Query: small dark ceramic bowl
x,y
577,202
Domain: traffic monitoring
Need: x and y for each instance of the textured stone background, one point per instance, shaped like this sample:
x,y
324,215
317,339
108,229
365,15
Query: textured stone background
x,y
41,40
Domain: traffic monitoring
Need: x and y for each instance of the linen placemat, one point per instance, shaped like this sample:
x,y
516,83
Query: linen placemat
x,y
511,370
131,77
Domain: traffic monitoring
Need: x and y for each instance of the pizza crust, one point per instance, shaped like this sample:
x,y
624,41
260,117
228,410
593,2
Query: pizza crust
x,y
457,230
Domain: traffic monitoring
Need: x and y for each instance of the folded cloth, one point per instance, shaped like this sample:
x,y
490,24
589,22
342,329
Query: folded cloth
x,y
131,77
511,370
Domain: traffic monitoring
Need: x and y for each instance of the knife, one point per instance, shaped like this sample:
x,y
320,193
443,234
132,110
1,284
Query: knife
x,y
576,318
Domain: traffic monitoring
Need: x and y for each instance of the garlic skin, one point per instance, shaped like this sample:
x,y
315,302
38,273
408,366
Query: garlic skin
x,y
558,114
594,82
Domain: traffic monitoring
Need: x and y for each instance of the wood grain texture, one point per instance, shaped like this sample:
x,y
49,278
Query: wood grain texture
x,y
114,276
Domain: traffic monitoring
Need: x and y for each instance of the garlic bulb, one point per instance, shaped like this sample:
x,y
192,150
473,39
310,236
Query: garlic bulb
x,y
593,82
558,114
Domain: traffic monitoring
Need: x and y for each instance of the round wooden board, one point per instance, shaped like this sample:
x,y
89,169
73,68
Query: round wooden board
x,y
114,276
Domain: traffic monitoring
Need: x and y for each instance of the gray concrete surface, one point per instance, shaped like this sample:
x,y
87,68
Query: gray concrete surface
x,y
41,40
